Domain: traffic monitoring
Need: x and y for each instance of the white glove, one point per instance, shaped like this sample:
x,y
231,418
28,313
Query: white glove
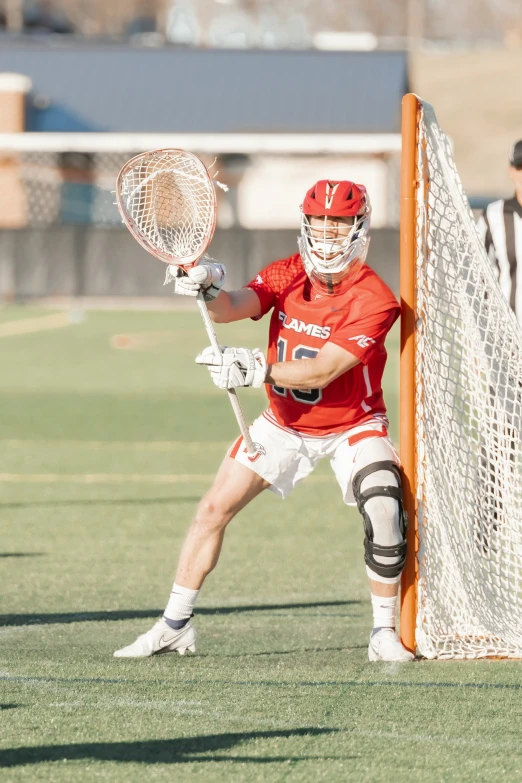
x,y
235,367
208,276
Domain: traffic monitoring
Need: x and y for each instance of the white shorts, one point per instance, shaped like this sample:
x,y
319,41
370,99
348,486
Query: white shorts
x,y
287,457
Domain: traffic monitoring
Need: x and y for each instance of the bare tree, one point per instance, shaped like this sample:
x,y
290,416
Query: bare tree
x,y
449,20
102,18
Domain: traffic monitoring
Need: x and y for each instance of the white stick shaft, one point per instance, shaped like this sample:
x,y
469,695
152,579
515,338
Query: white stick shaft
x,y
236,406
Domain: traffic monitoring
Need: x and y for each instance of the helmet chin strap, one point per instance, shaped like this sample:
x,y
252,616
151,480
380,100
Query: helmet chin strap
x,y
330,281
325,249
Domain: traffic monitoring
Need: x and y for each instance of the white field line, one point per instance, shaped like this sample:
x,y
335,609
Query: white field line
x,y
180,709
118,478
433,739
175,708
102,478
160,445
163,303
40,324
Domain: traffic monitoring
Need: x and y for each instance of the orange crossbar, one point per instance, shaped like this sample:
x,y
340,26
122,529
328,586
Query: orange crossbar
x,y
410,109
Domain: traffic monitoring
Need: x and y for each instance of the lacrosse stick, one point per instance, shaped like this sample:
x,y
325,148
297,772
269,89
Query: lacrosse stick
x,y
168,202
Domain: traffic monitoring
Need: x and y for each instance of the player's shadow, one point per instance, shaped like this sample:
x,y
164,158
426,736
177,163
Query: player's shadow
x,y
141,614
10,706
171,751
102,502
21,554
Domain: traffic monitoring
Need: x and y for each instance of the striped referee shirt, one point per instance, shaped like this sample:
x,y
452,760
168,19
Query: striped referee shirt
x,y
500,227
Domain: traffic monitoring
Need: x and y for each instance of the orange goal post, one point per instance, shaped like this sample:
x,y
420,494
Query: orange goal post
x,y
461,416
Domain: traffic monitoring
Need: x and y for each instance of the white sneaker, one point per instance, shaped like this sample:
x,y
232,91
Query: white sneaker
x,y
386,646
161,639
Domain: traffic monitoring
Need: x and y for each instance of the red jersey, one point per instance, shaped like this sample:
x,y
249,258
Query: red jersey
x,y
303,322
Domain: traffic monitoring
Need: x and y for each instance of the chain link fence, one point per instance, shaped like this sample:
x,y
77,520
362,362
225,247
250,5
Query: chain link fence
x,y
70,187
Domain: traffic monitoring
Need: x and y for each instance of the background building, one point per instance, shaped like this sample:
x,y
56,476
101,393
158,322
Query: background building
x,y
271,123
277,96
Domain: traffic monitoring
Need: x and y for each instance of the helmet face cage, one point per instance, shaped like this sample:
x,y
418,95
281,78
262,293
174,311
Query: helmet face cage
x,y
326,243
327,254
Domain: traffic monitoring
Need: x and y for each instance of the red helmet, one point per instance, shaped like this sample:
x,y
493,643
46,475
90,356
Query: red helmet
x,y
340,199
329,253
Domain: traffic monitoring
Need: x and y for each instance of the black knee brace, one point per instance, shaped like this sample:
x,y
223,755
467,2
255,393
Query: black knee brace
x,y
370,549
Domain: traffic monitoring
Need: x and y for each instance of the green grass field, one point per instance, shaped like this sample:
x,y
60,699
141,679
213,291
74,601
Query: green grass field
x,y
104,455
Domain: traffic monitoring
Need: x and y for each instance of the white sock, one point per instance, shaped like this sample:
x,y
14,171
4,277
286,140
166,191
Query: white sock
x,y
181,603
383,611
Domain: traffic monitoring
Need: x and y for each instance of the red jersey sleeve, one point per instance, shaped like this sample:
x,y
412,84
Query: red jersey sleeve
x,y
364,336
272,280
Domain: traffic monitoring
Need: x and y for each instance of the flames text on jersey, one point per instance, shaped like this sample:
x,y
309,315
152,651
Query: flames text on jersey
x,y
314,330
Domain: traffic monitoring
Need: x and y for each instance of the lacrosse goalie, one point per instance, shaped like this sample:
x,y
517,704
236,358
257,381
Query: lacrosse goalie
x,y
322,372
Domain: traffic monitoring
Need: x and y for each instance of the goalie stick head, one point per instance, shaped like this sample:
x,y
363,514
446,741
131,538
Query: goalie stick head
x,y
334,239
168,202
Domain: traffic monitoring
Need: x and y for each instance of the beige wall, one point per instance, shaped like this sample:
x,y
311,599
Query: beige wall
x,y
13,208
272,189
12,112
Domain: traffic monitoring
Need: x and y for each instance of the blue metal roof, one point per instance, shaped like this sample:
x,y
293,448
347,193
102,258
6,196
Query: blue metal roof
x,y
98,88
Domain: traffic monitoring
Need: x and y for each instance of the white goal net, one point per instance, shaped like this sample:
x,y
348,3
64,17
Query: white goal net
x,y
468,399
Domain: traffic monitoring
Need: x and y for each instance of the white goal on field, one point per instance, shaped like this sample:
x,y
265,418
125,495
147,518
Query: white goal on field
x,y
461,416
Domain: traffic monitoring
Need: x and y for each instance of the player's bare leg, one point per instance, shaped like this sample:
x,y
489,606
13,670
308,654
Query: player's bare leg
x,y
233,488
